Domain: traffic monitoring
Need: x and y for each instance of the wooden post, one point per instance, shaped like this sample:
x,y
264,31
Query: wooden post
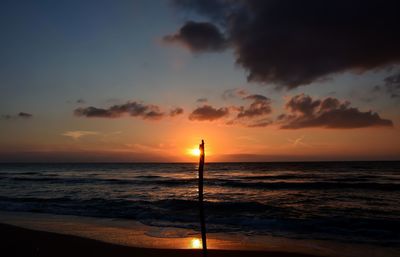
x,y
201,205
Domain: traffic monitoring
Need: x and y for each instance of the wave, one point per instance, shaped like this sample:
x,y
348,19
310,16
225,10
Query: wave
x,y
19,173
247,217
150,180
314,185
240,183
148,177
346,201
280,177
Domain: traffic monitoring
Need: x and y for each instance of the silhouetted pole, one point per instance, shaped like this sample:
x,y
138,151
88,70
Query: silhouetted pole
x,y
201,205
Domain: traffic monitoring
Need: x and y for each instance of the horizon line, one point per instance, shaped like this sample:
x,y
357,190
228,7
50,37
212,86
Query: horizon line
x,y
159,162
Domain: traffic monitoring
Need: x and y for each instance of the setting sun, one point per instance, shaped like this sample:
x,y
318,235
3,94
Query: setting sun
x,y
195,152
196,243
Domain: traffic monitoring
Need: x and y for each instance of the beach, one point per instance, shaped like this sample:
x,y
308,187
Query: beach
x,y
18,241
65,235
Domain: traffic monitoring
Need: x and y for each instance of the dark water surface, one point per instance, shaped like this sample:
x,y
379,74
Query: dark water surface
x,y
340,201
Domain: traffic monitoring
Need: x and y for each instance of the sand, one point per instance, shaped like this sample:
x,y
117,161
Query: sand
x,y
16,241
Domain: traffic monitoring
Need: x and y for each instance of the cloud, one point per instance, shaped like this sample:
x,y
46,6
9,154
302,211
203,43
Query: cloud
x,y
261,105
392,85
176,111
131,108
304,112
233,93
95,112
6,117
77,134
253,115
198,37
207,112
25,115
294,43
20,115
202,100
298,142
390,88
259,123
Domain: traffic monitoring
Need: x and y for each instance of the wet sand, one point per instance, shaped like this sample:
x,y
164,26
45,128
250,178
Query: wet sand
x,y
16,241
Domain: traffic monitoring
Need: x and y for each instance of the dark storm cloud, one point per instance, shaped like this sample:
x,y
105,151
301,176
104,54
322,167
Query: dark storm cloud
x,y
260,105
176,111
305,112
293,43
207,112
134,109
198,37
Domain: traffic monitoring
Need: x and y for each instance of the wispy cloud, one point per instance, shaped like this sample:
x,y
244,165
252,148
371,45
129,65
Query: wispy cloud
x,y
298,141
392,84
202,100
176,111
77,134
20,115
233,93
130,108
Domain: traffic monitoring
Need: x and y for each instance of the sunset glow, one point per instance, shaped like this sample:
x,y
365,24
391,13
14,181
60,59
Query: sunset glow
x,y
195,152
196,243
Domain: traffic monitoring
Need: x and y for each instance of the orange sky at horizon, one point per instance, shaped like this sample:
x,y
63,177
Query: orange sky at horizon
x,y
175,141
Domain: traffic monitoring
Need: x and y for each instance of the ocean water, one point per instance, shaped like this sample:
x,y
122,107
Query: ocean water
x,y
340,201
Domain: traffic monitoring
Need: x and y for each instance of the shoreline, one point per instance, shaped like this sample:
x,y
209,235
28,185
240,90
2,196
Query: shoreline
x,y
17,241
133,234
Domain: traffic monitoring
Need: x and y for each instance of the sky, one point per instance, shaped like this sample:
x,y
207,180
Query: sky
x,y
145,81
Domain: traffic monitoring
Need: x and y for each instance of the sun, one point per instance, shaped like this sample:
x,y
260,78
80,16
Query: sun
x,y
195,151
196,243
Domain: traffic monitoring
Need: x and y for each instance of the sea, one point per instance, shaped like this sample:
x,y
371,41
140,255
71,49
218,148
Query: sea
x,y
356,202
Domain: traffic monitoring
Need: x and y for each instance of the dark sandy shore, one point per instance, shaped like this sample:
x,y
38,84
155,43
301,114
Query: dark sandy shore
x,y
16,241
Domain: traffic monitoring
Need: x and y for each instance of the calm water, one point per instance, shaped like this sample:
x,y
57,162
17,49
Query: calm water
x,y
340,201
